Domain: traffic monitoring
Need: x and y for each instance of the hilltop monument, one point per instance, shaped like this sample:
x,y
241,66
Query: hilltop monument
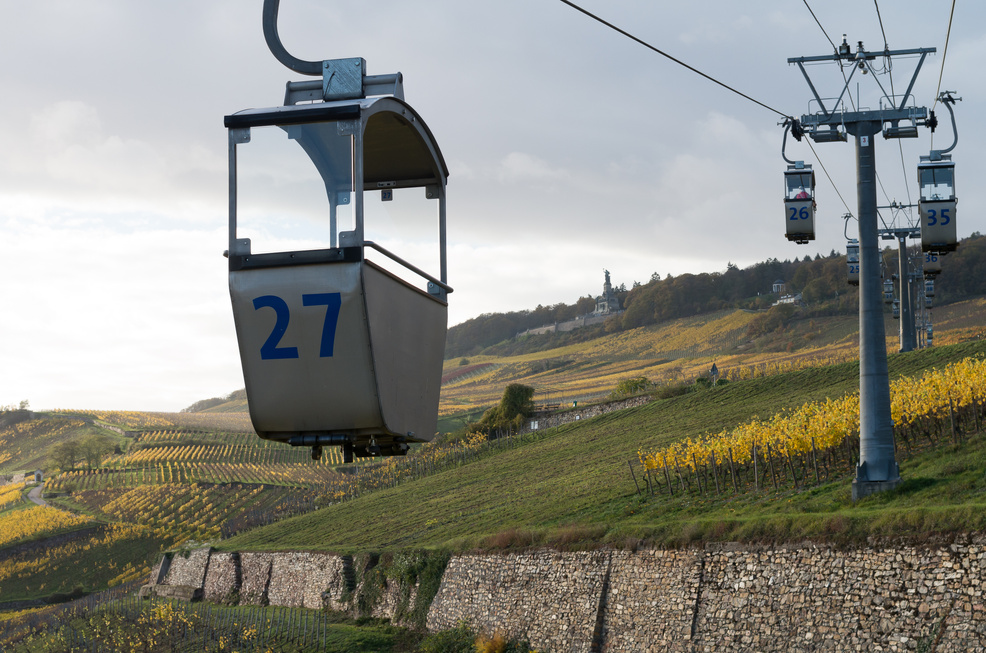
x,y
607,303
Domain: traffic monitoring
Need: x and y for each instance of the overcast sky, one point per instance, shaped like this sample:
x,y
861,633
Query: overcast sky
x,y
571,149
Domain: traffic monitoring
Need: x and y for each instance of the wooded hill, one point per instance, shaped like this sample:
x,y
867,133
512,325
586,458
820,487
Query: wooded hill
x,y
821,281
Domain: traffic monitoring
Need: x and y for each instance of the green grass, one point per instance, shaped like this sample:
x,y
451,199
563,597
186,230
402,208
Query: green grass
x,y
573,487
158,625
29,443
60,566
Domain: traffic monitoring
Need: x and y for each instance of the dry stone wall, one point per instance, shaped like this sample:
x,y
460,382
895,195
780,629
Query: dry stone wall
x,y
255,577
651,601
188,570
548,597
594,410
222,577
804,598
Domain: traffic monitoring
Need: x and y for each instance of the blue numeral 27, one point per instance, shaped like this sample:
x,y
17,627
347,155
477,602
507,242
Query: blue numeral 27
x,y
332,301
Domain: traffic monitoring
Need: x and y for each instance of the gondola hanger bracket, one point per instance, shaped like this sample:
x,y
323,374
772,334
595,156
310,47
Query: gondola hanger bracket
x,y
342,79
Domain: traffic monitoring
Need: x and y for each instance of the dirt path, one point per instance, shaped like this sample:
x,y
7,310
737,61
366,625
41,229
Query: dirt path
x,y
35,495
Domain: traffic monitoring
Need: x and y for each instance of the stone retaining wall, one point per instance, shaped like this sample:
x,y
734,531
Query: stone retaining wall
x,y
548,597
567,416
720,598
188,570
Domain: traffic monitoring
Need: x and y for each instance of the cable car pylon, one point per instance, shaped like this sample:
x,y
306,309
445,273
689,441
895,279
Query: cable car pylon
x,y
341,340
877,470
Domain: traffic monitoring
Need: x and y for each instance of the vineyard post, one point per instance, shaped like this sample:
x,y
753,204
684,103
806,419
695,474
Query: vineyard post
x,y
633,476
975,410
814,460
698,479
715,473
681,479
770,461
951,419
756,471
790,464
667,476
732,470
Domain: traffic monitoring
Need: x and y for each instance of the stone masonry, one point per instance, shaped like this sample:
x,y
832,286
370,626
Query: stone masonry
x,y
797,598
548,597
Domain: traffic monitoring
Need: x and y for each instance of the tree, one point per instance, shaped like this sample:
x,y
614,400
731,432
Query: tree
x,y
93,448
516,405
64,454
630,387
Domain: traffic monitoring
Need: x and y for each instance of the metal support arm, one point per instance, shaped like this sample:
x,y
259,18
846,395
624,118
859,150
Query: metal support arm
x,y
313,68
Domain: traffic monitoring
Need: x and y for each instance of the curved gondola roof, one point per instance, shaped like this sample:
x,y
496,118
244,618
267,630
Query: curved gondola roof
x,y
398,147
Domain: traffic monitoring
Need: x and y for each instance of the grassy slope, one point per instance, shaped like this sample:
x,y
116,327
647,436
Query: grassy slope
x,y
576,481
671,351
28,447
674,351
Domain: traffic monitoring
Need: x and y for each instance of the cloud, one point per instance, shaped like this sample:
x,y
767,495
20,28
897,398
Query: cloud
x,y
520,167
144,314
571,149
68,158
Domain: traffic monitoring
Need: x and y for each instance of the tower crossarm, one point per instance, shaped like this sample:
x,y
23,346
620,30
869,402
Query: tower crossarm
x,y
860,60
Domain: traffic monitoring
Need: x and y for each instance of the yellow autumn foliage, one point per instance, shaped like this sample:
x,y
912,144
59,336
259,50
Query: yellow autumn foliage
x,y
826,424
34,522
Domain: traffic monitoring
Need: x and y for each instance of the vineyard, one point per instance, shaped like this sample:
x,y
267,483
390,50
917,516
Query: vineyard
x,y
181,512
173,478
121,622
11,494
820,434
666,354
34,523
109,555
763,450
143,421
578,474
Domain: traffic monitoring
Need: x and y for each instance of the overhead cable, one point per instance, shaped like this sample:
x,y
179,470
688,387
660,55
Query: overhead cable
x,y
848,210
900,146
944,54
677,61
818,22
880,18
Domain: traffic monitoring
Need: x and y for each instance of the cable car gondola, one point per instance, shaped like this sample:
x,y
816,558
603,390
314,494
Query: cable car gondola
x,y
341,341
937,201
888,291
929,288
931,266
852,261
799,202
936,178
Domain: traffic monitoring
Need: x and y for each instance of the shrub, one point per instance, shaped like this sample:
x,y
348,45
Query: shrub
x,y
630,387
455,640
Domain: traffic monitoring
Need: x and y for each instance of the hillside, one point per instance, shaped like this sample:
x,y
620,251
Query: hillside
x,y
159,481
675,328
669,352
166,480
820,280
573,483
682,350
